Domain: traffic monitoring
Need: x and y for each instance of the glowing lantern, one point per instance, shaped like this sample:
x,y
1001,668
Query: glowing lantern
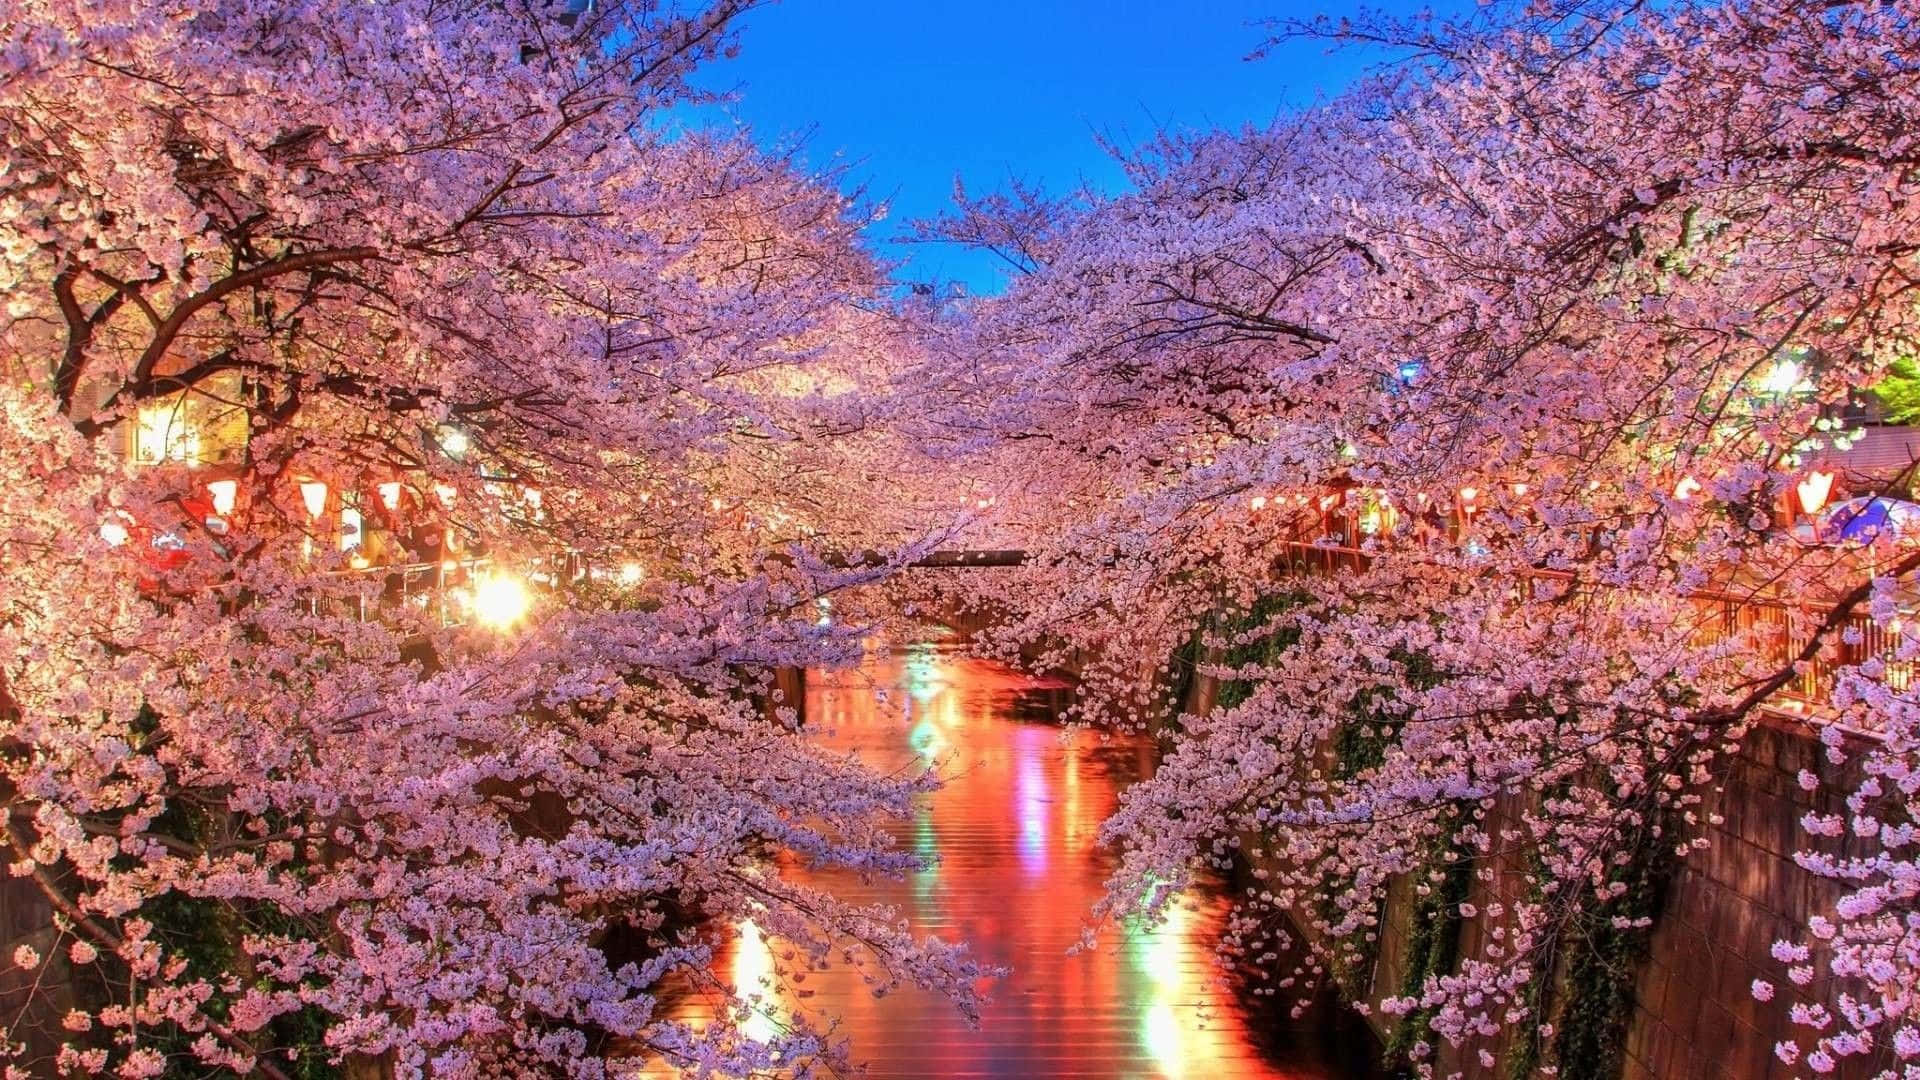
x,y
1783,378
453,441
313,493
630,574
1814,491
1259,502
222,493
1521,490
501,600
349,528
390,495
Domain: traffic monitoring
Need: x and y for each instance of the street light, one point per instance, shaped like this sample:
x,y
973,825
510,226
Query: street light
x,y
1785,377
501,600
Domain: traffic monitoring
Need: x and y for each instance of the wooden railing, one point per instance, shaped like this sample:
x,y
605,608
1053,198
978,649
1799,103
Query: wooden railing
x,y
424,586
1780,631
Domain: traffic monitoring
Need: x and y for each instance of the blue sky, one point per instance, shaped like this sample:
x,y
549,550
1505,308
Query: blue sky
x,y
911,94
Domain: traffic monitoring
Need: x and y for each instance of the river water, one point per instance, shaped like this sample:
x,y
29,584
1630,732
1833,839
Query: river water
x,y
1014,830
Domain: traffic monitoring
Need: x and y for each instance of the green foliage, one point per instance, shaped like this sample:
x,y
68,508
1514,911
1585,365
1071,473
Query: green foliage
x,y
206,933
1601,963
1588,987
1433,942
1264,648
1361,744
1899,392
1183,670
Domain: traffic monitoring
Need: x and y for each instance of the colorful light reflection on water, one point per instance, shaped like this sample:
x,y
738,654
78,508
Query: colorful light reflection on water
x,y
1015,829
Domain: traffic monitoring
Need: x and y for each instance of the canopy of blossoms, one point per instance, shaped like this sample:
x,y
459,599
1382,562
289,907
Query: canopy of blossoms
x,y
1452,424
397,429
417,461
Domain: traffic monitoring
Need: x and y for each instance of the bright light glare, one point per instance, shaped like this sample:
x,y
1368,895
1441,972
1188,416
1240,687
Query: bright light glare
x,y
313,493
453,441
1784,377
631,574
223,494
113,533
501,600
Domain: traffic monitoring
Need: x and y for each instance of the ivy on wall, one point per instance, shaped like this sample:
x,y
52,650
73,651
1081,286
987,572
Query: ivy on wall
x,y
1433,943
1600,965
1589,978
206,934
1587,983
1265,644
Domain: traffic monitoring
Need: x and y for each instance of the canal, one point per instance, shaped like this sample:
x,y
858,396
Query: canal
x,y
1014,830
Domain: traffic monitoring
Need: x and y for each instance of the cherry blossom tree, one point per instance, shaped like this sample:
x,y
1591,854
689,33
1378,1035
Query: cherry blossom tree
x,y
1523,302
301,293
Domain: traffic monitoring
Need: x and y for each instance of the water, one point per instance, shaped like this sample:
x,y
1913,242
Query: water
x,y
1019,872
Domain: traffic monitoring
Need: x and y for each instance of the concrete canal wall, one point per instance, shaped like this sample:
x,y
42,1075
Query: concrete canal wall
x,y
1688,1011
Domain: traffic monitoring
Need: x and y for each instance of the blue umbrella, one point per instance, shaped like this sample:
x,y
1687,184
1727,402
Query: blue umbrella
x,y
1862,521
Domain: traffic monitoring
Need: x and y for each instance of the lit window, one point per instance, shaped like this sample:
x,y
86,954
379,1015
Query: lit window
x,y
162,432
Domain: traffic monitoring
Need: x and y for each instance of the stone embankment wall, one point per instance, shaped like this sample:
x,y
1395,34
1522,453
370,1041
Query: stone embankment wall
x,y
1692,1014
32,1000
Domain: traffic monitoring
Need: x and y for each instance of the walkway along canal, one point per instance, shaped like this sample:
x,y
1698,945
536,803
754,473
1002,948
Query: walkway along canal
x,y
1015,829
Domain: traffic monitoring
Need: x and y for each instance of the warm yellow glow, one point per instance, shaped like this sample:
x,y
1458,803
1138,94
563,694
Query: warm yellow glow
x,y
1686,488
631,573
1169,1028
453,441
161,433
349,528
313,493
753,982
390,495
1785,377
1259,502
1814,491
501,601
1521,490
1467,494
445,494
223,493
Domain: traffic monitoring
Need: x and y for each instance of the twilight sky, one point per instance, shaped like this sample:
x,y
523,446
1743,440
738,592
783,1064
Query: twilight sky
x,y
912,93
